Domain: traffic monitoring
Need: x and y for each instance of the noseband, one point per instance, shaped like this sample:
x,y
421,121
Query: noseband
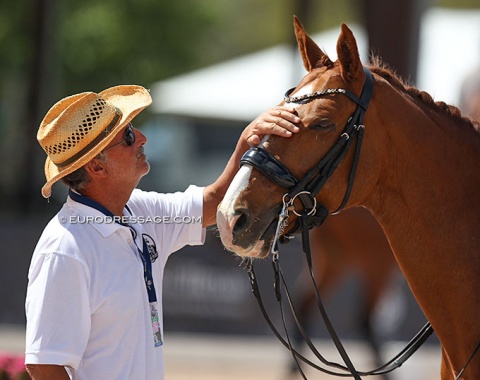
x,y
307,188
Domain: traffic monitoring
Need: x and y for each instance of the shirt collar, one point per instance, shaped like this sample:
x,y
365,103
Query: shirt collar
x,y
95,214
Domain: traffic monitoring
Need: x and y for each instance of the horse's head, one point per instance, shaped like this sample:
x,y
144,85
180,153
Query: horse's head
x,y
309,171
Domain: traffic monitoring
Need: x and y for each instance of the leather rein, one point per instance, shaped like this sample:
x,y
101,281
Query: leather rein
x,y
314,215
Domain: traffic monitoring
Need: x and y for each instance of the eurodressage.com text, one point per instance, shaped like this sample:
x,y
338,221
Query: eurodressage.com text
x,y
130,219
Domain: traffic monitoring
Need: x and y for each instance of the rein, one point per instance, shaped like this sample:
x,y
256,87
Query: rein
x,y
314,215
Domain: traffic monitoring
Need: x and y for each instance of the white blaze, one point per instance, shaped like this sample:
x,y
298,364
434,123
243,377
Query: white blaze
x,y
306,90
226,217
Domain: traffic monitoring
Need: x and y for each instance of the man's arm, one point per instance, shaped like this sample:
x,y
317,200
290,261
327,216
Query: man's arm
x,y
277,121
47,372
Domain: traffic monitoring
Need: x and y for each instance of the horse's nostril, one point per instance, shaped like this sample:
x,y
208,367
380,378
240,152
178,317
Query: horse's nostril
x,y
241,221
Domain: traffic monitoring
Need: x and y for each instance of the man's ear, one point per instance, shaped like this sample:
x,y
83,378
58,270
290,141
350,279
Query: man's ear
x,y
96,168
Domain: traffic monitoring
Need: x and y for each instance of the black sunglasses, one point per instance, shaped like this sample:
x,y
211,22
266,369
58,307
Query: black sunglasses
x,y
128,139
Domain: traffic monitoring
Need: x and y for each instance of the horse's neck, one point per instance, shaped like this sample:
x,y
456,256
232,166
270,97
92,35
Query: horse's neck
x,y
428,202
431,176
430,186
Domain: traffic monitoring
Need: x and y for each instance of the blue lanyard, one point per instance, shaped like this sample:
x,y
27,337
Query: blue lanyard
x,y
144,254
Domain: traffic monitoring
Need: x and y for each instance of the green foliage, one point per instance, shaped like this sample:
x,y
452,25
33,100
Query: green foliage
x,y
458,3
108,42
92,44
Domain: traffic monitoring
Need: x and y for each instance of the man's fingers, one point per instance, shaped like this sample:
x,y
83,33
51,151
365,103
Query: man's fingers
x,y
278,121
253,140
282,128
289,114
281,125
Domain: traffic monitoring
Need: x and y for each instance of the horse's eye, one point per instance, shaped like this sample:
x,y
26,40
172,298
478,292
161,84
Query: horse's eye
x,y
324,124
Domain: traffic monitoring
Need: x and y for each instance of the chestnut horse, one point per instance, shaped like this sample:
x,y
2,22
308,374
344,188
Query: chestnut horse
x,y
417,172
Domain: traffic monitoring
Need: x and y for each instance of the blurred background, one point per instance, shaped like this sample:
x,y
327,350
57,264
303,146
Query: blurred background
x,y
212,66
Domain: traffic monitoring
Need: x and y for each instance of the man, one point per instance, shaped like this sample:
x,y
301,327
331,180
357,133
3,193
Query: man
x,y
93,305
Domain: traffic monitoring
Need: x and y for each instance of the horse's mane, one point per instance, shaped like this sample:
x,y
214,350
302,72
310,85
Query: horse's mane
x,y
380,68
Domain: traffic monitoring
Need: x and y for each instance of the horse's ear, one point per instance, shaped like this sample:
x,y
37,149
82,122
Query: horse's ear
x,y
312,56
347,52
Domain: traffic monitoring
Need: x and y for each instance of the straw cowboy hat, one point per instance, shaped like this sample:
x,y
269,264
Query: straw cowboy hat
x,y
79,127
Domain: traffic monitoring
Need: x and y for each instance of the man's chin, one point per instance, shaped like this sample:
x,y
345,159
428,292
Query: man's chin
x,y
143,173
146,165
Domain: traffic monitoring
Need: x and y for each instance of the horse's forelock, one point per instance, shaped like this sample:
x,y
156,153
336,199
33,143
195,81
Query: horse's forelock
x,y
325,62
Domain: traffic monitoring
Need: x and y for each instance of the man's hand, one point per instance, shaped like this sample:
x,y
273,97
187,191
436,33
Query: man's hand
x,y
276,121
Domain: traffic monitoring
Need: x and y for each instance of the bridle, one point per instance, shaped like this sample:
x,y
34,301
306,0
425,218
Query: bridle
x,y
310,185
313,215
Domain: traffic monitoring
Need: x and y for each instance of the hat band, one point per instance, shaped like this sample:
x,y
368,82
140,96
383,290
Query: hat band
x,y
94,142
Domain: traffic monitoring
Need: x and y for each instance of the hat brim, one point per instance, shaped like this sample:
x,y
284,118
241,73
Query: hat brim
x,y
130,100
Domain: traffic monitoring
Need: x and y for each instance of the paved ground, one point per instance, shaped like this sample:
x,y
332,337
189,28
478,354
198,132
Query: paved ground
x,y
206,357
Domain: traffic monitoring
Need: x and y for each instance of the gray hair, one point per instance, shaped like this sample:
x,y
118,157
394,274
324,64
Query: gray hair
x,y
78,179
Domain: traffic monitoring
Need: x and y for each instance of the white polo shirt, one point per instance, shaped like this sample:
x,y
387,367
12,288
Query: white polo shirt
x,y
87,306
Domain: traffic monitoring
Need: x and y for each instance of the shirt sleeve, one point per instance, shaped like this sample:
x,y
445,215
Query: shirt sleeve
x,y
57,310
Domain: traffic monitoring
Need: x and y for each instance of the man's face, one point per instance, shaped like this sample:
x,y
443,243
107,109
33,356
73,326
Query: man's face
x,y
127,164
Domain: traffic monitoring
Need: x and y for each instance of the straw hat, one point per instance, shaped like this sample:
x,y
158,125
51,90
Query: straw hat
x,y
79,127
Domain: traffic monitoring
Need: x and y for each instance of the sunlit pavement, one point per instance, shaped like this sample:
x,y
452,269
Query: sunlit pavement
x,y
212,357
219,357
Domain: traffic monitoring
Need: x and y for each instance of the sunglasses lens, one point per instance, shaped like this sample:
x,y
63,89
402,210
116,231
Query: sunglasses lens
x,y
129,136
